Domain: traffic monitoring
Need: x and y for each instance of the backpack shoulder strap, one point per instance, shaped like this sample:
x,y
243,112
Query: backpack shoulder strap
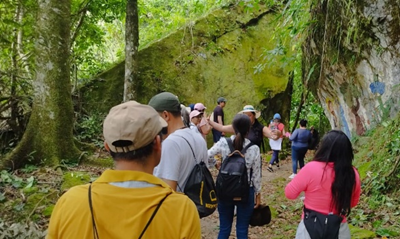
x,y
194,156
152,215
247,147
230,144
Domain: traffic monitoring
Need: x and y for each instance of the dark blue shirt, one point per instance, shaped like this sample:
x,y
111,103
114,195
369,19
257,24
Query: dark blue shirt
x,y
300,138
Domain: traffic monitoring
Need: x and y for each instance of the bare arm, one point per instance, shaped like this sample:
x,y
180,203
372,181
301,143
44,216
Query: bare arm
x,y
267,132
222,128
220,120
205,129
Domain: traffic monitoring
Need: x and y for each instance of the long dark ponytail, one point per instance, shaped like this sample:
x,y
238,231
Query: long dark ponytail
x,y
241,124
336,147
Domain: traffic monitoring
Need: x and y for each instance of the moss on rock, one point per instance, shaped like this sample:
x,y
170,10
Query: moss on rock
x,y
213,57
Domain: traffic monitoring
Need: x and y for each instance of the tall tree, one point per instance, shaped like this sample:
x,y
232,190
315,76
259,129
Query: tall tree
x,y
48,137
131,49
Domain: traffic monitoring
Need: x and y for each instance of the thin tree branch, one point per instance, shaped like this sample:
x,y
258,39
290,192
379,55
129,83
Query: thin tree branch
x,y
78,27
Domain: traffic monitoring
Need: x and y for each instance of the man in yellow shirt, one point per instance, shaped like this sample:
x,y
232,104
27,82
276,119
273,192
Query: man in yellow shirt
x,y
127,202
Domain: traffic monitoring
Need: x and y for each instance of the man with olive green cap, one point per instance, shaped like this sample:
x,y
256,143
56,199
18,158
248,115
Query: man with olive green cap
x,y
127,202
177,160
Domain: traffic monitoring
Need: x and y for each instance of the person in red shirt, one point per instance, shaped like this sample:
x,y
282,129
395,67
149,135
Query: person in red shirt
x,y
276,144
330,182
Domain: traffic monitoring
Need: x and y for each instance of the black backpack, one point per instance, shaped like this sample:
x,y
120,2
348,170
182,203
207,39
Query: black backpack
x,y
200,188
232,181
314,140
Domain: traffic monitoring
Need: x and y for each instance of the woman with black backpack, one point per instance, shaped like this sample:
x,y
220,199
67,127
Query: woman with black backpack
x,y
332,187
241,159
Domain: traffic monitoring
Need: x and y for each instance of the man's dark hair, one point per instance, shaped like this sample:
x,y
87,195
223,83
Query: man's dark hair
x,y
138,155
174,113
303,123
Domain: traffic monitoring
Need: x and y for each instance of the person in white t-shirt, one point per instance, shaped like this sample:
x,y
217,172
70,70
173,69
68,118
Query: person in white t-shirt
x,y
177,159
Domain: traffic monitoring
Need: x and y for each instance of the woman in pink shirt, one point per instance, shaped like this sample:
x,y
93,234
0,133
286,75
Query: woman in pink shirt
x,y
330,182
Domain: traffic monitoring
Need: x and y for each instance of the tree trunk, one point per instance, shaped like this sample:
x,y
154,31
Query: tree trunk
x,y
48,137
12,122
304,96
131,49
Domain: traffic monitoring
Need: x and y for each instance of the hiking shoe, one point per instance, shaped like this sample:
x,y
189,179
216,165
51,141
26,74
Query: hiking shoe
x,y
292,176
270,168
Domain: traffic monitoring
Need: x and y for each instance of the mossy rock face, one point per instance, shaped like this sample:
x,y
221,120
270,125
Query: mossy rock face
x,y
358,85
71,179
358,233
216,56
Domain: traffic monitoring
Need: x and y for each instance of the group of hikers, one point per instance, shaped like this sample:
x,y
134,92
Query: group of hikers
x,y
155,148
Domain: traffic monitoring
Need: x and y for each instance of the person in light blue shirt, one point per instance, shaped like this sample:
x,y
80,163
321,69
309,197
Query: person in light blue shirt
x,y
300,140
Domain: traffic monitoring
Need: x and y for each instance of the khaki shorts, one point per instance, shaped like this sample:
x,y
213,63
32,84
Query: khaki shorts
x,y
344,231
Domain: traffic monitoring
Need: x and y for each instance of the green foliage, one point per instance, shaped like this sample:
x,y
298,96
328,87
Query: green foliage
x,y
16,33
357,232
359,217
9,179
288,36
312,109
384,155
101,40
384,232
97,42
94,23
71,179
89,129
377,159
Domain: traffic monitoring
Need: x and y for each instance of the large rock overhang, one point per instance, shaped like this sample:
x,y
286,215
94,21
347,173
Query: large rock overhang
x,y
360,55
214,56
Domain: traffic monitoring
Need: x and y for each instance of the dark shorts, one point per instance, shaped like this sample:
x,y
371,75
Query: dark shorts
x,y
216,135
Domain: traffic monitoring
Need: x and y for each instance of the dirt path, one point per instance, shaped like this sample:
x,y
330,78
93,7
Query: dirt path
x,y
210,224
